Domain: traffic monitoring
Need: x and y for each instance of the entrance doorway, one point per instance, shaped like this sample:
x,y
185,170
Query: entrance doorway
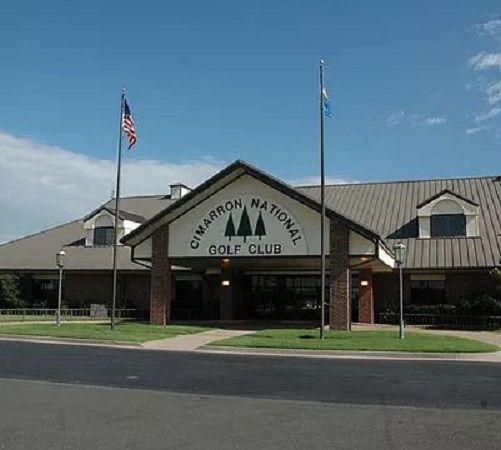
x,y
283,297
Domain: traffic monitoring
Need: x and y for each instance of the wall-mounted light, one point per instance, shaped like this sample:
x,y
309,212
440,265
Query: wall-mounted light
x,y
226,262
225,283
364,283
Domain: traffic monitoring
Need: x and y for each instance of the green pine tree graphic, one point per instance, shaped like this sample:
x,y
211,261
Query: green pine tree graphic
x,y
260,228
244,228
229,232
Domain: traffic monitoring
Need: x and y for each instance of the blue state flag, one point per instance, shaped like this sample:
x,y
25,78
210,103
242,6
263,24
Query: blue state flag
x,y
326,103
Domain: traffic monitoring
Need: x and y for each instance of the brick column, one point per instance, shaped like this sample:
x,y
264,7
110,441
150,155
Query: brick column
x,y
366,297
339,313
161,278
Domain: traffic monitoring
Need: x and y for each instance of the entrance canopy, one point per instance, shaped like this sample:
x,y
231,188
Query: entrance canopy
x,y
255,220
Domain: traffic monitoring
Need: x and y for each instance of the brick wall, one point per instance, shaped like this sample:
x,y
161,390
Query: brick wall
x,y
161,278
80,290
366,297
137,290
339,313
460,285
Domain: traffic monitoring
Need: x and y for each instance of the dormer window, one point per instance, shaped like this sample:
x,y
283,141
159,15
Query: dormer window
x,y
447,214
104,235
443,225
104,231
100,226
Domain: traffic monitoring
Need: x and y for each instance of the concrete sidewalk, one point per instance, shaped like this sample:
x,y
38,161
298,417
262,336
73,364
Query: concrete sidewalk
x,y
347,354
191,342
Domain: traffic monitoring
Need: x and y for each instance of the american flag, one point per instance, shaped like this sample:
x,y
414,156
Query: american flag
x,y
128,125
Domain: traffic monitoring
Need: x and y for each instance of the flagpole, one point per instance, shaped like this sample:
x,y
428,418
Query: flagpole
x,y
117,214
322,203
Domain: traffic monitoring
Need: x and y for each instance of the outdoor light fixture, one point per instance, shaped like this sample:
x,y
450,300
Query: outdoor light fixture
x,y
60,259
226,262
364,283
225,283
400,251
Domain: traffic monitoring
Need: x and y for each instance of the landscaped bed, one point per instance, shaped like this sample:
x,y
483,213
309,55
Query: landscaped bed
x,y
125,331
358,341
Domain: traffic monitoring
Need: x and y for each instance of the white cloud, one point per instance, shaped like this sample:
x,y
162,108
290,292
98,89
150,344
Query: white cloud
x,y
493,91
493,112
395,118
415,120
484,60
487,83
315,181
475,130
435,120
490,28
43,185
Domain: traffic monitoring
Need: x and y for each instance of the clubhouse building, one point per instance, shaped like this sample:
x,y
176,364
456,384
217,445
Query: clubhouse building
x,y
246,246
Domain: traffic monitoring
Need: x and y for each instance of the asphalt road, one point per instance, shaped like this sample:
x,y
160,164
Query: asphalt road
x,y
62,397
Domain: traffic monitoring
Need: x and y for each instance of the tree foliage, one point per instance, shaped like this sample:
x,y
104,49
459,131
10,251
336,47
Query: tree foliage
x,y
229,232
10,292
244,228
260,227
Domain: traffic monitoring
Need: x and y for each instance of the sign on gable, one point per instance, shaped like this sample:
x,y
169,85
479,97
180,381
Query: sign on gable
x,y
247,226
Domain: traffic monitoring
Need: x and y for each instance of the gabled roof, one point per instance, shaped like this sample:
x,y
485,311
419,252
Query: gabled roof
x,y
443,192
36,252
222,179
124,215
390,208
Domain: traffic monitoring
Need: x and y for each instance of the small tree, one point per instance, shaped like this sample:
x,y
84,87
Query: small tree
x,y
229,232
260,227
10,292
244,228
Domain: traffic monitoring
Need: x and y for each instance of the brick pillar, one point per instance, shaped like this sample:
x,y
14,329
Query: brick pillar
x,y
366,297
161,278
339,313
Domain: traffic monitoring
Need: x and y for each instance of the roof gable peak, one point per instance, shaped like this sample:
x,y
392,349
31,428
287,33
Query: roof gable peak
x,y
442,193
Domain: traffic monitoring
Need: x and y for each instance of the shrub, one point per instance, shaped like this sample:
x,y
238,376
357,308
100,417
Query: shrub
x,y
483,304
10,292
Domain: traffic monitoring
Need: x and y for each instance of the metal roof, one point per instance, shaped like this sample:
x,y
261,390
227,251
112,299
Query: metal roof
x,y
37,251
391,209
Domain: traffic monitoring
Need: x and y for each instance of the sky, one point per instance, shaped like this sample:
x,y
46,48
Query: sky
x,y
415,88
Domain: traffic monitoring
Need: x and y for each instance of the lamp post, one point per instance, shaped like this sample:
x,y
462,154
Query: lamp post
x,y
60,264
400,250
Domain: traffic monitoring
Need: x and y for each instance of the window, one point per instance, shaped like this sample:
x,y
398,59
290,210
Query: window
x,y
285,297
45,293
104,235
427,292
448,225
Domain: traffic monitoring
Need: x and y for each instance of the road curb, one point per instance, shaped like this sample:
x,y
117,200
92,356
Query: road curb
x,y
69,341
494,357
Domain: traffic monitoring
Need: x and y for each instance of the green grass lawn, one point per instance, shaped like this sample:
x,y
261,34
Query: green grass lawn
x,y
358,340
124,331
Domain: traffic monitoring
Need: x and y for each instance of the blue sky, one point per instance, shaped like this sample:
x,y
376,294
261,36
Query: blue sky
x,y
415,88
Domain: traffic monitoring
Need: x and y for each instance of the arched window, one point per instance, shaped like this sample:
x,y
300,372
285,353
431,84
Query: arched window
x,y
447,219
104,231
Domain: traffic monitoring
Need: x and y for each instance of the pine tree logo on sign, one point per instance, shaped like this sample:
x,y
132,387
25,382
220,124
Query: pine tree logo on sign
x,y
249,226
244,228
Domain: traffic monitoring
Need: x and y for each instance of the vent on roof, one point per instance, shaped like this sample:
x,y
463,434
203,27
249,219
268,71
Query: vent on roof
x,y
178,190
